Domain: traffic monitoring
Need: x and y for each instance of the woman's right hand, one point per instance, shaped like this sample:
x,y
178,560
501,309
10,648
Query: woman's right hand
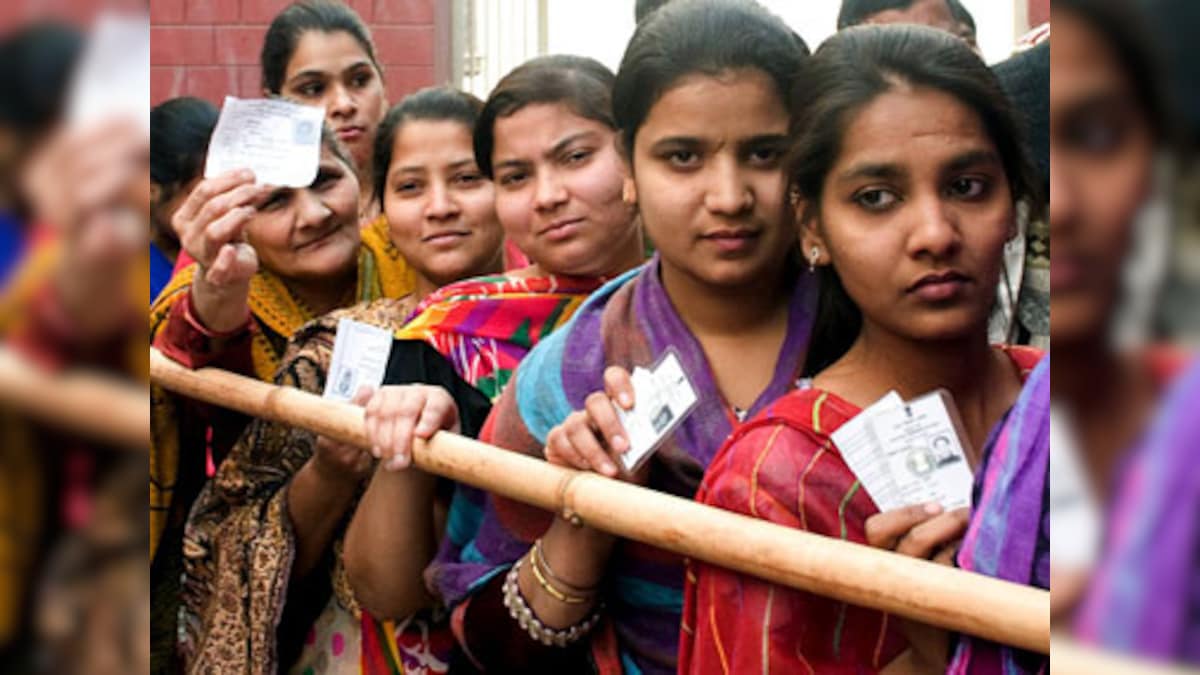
x,y
210,225
397,415
593,439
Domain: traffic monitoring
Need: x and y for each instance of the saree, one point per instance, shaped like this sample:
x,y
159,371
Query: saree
x,y
784,467
1144,598
239,543
629,322
189,439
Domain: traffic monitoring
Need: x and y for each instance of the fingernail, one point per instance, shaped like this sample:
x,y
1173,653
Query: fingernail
x,y
625,400
933,508
399,462
376,451
610,469
619,443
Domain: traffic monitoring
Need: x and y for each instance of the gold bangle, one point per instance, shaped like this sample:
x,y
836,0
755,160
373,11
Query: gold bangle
x,y
554,592
539,560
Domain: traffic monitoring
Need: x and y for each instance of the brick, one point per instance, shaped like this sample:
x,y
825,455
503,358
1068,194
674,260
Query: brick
x,y
404,80
1039,12
238,45
250,82
166,11
165,82
212,11
404,11
364,8
211,82
404,45
262,11
181,46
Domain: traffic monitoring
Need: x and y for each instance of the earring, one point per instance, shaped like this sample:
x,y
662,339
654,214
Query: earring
x,y
813,257
627,195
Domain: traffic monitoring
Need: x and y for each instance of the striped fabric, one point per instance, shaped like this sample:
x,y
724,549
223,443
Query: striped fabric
x,y
783,467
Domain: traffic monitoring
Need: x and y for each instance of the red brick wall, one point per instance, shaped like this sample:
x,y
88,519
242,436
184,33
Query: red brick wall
x,y
1039,12
209,48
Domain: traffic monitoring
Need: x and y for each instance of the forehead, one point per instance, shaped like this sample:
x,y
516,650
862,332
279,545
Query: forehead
x,y
910,126
736,104
328,52
935,13
1082,65
537,127
431,137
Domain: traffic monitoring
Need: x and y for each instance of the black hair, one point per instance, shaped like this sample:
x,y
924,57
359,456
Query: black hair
x,y
36,65
180,129
1127,34
642,8
327,16
582,84
431,103
850,70
855,12
700,36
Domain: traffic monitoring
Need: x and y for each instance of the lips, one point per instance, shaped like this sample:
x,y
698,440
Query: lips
x,y
351,133
732,240
939,286
561,229
445,238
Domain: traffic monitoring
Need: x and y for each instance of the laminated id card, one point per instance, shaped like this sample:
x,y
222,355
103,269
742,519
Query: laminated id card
x,y
360,358
662,396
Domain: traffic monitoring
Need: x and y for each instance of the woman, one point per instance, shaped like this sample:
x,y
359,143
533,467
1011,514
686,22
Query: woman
x,y
906,169
319,52
1109,128
703,121
179,130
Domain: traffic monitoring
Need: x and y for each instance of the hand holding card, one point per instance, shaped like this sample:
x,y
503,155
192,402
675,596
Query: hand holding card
x,y
278,140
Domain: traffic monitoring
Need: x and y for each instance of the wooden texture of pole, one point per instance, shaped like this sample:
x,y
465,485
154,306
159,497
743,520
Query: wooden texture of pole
x,y
921,590
1071,658
95,406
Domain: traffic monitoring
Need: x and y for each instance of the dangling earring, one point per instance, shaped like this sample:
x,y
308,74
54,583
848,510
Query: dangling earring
x,y
627,195
813,257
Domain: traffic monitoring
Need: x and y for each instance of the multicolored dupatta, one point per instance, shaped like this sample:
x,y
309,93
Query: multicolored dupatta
x,y
1145,596
630,322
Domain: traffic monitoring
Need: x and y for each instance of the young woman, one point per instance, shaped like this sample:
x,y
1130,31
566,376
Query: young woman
x,y
1108,129
703,121
319,52
905,172
547,136
179,133
284,490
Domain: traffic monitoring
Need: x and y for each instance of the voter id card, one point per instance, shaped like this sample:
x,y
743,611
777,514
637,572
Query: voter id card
x,y
278,140
360,358
663,396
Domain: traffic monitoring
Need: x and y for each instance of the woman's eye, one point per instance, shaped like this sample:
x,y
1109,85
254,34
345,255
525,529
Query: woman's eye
x,y
577,156
467,179
682,158
876,199
513,179
276,200
765,156
407,187
968,188
325,180
310,90
1096,136
361,80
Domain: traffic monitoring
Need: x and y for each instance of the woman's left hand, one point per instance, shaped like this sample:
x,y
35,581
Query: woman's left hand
x,y
919,531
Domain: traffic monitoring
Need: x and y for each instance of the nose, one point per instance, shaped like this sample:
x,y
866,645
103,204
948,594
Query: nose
x,y
342,104
441,204
311,211
549,191
1062,197
728,193
936,233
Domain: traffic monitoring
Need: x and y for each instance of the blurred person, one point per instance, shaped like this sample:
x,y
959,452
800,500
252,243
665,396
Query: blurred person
x,y
1109,125
36,62
948,15
643,8
319,52
180,129
907,167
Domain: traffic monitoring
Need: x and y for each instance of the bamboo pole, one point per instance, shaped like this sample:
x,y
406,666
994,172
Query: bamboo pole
x,y
918,589
100,407
1071,658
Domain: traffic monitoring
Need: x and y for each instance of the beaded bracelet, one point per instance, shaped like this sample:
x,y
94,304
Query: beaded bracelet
x,y
519,610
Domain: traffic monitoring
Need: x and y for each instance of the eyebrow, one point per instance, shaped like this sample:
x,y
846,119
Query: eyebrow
x,y
323,74
691,141
416,168
558,147
890,171
970,159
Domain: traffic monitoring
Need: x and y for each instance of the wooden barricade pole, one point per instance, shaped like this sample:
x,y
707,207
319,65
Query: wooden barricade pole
x,y
917,589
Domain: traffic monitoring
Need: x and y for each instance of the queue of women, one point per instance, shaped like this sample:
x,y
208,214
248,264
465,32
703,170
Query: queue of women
x,y
824,228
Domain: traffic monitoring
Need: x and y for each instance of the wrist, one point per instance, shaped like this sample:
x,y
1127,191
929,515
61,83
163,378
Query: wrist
x,y
221,309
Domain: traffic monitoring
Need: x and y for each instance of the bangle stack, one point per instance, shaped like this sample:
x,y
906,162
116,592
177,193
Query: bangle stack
x,y
520,610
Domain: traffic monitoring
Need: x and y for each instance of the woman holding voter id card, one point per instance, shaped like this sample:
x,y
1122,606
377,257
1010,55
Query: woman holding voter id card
x,y
283,491
701,107
905,172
